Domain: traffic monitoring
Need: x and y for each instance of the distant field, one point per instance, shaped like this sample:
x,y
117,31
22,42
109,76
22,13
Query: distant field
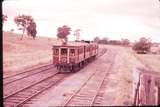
x,y
151,60
19,54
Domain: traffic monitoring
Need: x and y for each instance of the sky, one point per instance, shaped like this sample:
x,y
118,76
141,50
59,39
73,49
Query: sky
x,y
114,19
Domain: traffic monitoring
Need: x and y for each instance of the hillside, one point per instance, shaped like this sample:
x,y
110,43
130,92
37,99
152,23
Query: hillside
x,y
19,54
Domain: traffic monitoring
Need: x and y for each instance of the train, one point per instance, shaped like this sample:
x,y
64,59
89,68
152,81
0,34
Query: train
x,y
74,55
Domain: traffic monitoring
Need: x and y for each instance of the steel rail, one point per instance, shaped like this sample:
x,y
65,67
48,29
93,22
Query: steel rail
x,y
27,87
27,71
110,67
25,76
67,102
39,92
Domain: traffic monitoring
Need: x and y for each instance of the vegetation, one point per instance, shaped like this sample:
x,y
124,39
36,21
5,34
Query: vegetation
x,y
142,46
124,42
4,18
26,23
96,39
62,33
104,40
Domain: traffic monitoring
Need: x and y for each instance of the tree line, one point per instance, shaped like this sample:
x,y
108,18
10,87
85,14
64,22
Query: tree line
x,y
143,45
27,24
105,40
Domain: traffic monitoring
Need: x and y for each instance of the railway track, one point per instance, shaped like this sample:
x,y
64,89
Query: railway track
x,y
16,86
103,51
19,88
25,74
91,91
19,98
98,101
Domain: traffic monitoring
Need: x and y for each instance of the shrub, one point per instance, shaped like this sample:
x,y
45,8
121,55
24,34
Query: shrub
x,y
142,46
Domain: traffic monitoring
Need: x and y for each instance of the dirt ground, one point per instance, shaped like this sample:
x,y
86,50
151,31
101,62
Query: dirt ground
x,y
21,54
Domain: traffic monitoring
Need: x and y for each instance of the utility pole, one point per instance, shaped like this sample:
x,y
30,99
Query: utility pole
x,y
77,34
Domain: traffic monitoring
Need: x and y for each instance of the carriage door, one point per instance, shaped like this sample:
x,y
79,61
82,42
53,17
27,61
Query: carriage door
x,y
84,52
55,55
64,53
72,56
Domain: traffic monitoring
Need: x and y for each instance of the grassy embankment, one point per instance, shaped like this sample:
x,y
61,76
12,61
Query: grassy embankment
x,y
19,54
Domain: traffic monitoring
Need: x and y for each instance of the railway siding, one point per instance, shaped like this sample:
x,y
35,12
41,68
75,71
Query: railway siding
x,y
62,93
18,85
20,98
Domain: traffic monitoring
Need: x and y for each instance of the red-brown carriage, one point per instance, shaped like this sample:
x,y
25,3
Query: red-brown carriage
x,y
73,56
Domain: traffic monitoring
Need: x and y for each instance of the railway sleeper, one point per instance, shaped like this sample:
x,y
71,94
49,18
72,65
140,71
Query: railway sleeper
x,y
9,104
13,101
15,98
24,94
82,99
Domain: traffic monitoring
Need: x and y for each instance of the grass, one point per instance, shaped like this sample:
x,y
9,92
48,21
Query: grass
x,y
152,60
19,54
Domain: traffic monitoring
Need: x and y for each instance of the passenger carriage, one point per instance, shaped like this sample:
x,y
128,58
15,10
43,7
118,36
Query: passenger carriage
x,y
73,56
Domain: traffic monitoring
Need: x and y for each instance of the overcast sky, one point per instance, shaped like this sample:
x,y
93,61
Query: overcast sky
x,y
114,19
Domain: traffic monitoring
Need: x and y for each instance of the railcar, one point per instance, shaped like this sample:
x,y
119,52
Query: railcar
x,y
73,56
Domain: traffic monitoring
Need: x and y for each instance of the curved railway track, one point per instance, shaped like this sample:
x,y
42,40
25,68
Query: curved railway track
x,y
31,83
103,51
27,70
91,91
26,82
21,97
25,74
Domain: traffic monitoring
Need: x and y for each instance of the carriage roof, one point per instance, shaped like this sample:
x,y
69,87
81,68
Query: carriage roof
x,y
73,44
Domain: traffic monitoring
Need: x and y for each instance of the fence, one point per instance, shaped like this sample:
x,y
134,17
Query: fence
x,y
146,87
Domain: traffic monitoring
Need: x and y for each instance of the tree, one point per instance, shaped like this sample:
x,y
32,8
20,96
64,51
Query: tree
x,y
4,18
31,30
63,32
142,46
114,42
26,23
104,40
125,42
77,34
96,39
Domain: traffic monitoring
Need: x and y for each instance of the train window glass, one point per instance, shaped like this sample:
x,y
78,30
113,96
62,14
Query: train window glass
x,y
63,51
72,51
56,51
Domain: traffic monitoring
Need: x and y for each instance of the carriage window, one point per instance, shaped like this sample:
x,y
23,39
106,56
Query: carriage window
x,y
56,51
72,51
81,50
63,51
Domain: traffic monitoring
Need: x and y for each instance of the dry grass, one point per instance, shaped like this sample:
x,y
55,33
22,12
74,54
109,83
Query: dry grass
x,y
19,54
152,60
121,75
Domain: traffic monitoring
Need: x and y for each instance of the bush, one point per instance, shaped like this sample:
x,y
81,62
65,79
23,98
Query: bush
x,y
142,46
